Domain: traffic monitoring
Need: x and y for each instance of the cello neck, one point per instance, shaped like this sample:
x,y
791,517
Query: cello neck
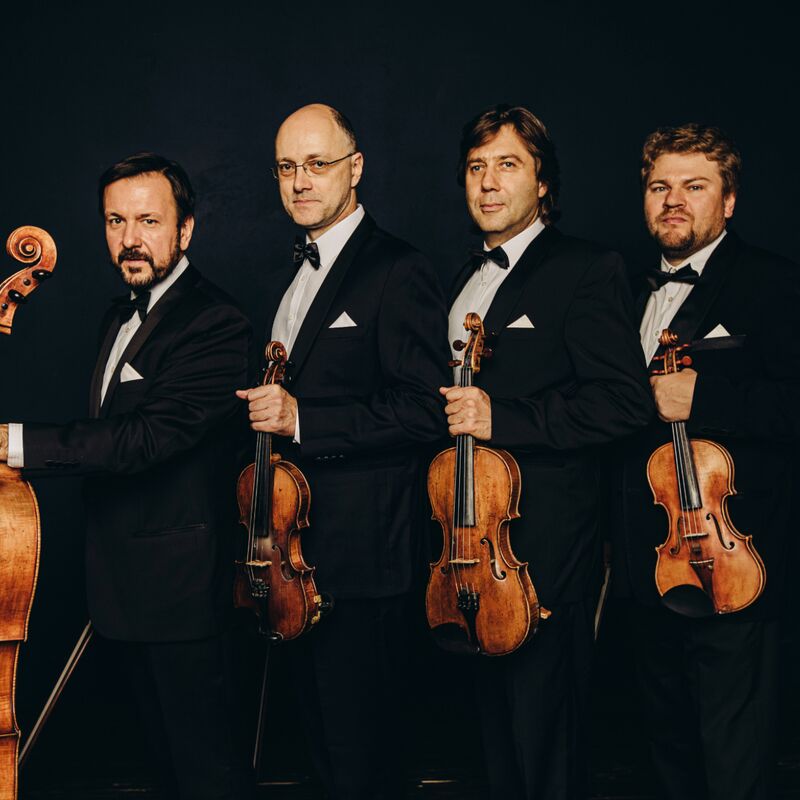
x,y
464,495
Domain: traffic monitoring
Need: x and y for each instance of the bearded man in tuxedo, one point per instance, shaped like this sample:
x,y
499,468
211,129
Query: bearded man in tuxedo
x,y
158,452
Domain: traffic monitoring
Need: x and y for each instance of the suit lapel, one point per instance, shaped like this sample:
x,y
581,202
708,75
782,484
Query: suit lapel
x,y
174,295
464,274
510,289
715,274
327,292
111,326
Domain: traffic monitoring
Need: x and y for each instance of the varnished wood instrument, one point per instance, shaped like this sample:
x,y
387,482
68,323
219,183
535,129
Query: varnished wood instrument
x,y
480,598
20,528
705,566
272,579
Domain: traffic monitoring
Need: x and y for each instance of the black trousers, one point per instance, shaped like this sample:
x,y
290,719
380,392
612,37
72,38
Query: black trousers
x,y
183,691
709,692
533,706
350,672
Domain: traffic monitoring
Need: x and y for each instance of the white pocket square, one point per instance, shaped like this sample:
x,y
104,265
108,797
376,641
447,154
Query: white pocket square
x,y
343,321
718,331
523,322
129,374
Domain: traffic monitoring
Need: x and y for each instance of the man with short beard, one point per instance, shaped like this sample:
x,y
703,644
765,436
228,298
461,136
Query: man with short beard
x,y
708,683
160,465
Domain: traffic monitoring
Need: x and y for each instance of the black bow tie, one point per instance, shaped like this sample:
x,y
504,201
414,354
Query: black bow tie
x,y
498,255
303,251
656,278
127,306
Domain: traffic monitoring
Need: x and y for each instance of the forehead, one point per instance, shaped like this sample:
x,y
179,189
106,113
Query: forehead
x,y
307,136
684,166
506,142
150,191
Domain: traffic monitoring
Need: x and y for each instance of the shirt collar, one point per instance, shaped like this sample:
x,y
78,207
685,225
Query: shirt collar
x,y
161,288
697,260
331,242
516,246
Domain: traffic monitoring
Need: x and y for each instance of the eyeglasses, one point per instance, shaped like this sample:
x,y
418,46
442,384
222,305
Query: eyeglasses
x,y
316,166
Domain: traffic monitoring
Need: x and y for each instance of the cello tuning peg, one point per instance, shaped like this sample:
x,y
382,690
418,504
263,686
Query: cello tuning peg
x,y
455,363
459,345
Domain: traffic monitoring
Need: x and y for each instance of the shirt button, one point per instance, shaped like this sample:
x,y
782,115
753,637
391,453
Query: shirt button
x,y
670,299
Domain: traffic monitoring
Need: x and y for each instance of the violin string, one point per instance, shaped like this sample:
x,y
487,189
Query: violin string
x,y
678,457
459,501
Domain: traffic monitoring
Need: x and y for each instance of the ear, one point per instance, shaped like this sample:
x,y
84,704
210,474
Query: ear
x,y
186,230
542,190
729,202
357,167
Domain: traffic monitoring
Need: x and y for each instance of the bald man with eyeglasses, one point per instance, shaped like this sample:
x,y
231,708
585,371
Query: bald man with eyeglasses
x,y
363,319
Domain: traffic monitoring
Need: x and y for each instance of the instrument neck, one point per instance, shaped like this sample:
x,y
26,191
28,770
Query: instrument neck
x,y
688,485
464,495
261,508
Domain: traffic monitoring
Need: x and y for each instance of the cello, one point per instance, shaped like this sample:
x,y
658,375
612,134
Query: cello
x,y
20,527
272,578
480,598
705,566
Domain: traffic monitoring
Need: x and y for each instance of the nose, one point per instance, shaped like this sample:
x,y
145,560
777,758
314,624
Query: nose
x,y
674,197
301,180
130,235
489,181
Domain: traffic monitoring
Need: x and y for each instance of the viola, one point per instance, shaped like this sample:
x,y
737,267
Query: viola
x,y
272,579
480,598
705,566
20,527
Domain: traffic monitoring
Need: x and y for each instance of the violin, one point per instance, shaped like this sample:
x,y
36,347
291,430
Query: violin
x,y
705,566
480,598
20,527
272,579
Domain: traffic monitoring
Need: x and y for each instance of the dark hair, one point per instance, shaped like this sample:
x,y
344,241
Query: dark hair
x,y
537,140
143,163
695,138
346,126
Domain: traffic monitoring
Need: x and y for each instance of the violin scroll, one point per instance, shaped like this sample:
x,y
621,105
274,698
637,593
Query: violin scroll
x,y
32,246
671,358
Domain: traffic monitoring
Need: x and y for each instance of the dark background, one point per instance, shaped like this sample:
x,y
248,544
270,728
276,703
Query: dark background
x,y
84,85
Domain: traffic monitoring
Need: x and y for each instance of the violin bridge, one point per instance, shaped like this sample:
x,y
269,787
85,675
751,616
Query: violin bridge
x,y
705,562
464,561
258,563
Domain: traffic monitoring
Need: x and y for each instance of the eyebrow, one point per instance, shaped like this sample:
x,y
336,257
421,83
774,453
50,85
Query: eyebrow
x,y
307,158
684,181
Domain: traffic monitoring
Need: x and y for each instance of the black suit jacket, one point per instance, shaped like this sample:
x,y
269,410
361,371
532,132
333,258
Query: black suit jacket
x,y
574,381
746,398
160,461
369,411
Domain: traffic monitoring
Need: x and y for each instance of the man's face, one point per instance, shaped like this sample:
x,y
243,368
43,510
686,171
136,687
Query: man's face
x,y
144,241
684,204
317,202
502,186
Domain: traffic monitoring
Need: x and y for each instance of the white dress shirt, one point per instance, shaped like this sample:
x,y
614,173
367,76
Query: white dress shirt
x,y
16,454
663,304
303,289
480,289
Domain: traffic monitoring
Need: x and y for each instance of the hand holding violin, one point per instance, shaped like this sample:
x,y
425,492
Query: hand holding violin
x,y
673,394
272,409
469,410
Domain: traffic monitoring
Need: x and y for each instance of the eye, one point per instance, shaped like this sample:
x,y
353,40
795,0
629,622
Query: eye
x,y
475,167
285,167
656,189
696,187
113,221
320,164
508,164
150,222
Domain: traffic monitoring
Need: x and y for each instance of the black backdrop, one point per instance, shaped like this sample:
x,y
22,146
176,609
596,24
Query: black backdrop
x,y
86,84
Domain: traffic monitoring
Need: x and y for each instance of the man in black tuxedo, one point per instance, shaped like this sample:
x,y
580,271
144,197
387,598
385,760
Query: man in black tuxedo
x,y
566,377
363,319
159,454
708,683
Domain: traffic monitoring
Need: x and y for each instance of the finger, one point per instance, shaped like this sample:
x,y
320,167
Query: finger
x,y
243,394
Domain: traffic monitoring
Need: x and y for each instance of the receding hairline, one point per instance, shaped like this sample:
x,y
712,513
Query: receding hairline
x,y
339,120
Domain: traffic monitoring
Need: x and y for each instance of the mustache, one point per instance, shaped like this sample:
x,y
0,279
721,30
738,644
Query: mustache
x,y
132,254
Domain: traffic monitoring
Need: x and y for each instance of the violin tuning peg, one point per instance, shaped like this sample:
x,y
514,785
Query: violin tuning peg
x,y
686,361
41,274
16,297
454,363
459,345
487,352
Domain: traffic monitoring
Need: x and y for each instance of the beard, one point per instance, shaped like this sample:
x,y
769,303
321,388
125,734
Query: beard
x,y
146,279
679,247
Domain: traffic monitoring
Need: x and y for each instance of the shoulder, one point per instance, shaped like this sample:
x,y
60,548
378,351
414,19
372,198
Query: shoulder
x,y
752,257
398,258
583,258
